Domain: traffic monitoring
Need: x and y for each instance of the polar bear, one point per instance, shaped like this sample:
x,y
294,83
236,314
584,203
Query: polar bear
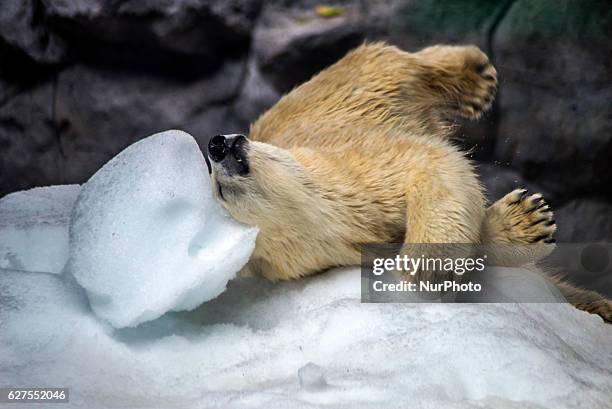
x,y
361,153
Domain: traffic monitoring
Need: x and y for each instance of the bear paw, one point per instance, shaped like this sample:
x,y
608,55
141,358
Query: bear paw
x,y
479,83
466,76
527,218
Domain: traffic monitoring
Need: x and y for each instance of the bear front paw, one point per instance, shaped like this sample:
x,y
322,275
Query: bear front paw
x,y
479,84
464,76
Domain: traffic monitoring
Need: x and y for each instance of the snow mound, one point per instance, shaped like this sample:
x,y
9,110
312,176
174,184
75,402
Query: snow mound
x,y
147,236
34,228
304,344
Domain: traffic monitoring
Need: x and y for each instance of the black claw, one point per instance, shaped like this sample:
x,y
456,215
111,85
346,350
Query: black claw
x,y
540,238
488,77
476,107
538,221
549,241
521,196
551,222
536,198
481,67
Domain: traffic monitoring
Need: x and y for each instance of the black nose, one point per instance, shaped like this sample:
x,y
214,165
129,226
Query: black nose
x,y
231,147
220,145
217,148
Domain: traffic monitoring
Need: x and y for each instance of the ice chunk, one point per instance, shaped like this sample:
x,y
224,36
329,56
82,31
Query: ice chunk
x,y
312,377
34,228
244,348
147,236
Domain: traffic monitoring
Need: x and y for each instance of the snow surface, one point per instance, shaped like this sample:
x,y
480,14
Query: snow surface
x,y
147,236
256,344
304,344
34,228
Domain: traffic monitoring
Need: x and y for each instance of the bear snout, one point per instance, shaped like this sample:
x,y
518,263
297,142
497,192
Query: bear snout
x,y
230,152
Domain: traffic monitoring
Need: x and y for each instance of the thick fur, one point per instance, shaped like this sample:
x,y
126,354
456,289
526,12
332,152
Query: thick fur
x,y
361,154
